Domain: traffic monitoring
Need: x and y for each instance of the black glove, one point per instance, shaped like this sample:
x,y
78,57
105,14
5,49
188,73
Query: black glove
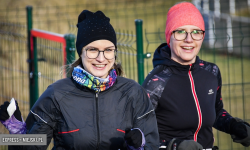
x,y
177,144
4,114
240,131
133,137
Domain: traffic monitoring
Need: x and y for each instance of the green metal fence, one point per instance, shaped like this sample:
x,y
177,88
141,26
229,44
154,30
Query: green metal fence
x,y
47,52
13,65
227,44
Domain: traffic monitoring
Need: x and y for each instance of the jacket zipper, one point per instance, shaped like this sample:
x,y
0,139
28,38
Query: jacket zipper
x,y
196,103
97,121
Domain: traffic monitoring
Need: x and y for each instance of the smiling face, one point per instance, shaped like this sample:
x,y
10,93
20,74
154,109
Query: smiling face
x,y
100,66
185,51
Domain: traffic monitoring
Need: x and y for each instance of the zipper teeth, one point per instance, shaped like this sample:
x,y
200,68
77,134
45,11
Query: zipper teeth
x,y
197,105
97,122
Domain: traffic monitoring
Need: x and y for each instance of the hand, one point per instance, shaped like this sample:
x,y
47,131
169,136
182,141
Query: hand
x,y
177,144
189,145
133,137
3,111
240,131
238,128
17,113
4,114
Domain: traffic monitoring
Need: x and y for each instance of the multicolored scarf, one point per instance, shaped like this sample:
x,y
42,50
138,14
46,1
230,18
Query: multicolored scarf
x,y
84,78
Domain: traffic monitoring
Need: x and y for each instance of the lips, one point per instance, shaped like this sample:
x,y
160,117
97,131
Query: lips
x,y
187,47
99,66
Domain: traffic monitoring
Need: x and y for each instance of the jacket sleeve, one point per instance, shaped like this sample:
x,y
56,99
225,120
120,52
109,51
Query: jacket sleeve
x,y
154,86
145,119
41,119
223,118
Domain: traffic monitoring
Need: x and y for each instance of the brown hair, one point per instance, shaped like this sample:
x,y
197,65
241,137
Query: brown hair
x,y
117,67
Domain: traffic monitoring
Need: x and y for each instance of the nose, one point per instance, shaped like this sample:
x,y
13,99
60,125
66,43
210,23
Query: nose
x,y
189,38
101,57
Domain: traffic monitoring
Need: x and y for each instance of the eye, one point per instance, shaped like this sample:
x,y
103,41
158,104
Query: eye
x,y
93,50
197,32
181,31
108,50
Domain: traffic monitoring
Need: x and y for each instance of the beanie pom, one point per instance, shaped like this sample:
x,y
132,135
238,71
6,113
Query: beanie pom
x,y
88,14
82,16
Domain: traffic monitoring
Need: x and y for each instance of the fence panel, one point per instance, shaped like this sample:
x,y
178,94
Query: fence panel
x,y
14,81
50,65
127,53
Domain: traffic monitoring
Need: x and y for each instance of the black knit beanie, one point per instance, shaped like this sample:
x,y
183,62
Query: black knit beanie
x,y
92,27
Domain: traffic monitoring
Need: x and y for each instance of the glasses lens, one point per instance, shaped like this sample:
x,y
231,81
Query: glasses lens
x,y
109,53
92,52
197,34
180,34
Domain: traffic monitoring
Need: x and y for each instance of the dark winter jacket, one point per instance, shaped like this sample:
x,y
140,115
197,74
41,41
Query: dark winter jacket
x,y
187,98
78,118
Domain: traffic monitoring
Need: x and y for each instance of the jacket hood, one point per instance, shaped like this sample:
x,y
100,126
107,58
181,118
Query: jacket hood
x,y
162,55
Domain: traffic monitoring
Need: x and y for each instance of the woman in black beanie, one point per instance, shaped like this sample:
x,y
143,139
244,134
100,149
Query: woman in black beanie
x,y
96,108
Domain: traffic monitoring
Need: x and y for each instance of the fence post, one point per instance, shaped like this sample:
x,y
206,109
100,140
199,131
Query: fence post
x,y
70,49
33,75
139,47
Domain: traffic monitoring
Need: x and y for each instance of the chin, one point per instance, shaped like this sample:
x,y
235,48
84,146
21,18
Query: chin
x,y
100,75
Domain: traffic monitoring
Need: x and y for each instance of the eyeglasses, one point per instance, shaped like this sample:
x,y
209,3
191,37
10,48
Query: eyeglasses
x,y
182,34
107,53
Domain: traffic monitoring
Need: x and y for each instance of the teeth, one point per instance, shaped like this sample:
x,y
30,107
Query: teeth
x,y
188,47
100,66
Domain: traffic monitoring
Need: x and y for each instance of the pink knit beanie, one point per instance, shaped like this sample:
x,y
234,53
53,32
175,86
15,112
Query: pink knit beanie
x,y
183,14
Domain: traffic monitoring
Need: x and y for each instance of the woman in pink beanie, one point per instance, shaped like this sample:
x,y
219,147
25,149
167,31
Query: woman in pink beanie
x,y
185,90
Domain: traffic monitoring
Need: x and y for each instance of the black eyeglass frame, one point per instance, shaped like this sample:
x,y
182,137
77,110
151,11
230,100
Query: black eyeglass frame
x,y
187,35
115,52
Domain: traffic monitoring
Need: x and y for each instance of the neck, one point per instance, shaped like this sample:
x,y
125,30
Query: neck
x,y
184,62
